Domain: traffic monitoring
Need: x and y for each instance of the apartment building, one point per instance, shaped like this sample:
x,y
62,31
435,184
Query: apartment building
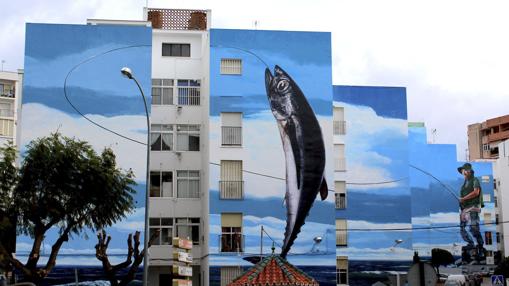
x,y
501,184
248,177
483,138
179,138
11,84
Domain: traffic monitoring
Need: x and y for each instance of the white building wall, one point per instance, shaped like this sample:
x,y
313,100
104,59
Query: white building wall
x,y
14,103
501,175
195,67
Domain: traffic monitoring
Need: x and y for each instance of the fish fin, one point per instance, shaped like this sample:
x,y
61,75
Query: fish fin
x,y
324,190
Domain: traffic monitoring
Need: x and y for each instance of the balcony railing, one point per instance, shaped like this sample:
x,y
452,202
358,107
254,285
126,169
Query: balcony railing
x,y
6,113
339,127
340,201
188,95
231,190
341,238
231,242
9,94
177,19
340,164
231,136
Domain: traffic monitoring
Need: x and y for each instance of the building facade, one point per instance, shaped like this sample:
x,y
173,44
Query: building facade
x,y
501,184
483,138
248,164
179,139
11,87
396,193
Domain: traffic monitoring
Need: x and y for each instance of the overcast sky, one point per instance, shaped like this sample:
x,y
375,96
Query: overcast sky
x,y
451,55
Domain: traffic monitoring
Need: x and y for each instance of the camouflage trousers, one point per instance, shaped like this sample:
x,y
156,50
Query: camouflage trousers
x,y
471,217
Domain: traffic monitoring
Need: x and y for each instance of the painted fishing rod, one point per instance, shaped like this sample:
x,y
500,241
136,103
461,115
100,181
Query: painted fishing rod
x,y
440,182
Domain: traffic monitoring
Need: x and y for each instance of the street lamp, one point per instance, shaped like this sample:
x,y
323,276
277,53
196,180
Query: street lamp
x,y
129,74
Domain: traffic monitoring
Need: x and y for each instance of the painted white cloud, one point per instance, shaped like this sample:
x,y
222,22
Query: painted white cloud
x,y
361,225
275,228
134,222
39,120
262,154
391,253
435,218
364,130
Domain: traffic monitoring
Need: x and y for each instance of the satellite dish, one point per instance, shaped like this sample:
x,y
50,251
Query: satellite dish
x,y
414,275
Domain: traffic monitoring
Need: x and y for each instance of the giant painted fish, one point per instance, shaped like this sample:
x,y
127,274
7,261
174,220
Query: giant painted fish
x,y
303,147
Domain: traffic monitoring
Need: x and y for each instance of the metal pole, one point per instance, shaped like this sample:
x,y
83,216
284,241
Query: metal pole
x,y
261,242
76,276
147,197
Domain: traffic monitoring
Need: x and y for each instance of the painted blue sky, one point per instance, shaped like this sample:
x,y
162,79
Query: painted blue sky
x,y
376,150
432,203
305,56
97,89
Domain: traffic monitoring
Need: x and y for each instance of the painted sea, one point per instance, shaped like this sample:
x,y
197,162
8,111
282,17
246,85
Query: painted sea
x,y
362,273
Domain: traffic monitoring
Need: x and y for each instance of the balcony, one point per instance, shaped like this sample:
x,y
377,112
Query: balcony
x,y
231,242
231,190
8,94
340,164
502,135
231,136
339,127
188,95
6,113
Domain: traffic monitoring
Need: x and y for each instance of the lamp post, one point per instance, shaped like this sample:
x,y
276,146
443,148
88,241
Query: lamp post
x,y
128,73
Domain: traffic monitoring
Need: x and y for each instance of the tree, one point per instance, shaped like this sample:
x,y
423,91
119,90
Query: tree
x,y
63,183
8,180
133,252
441,257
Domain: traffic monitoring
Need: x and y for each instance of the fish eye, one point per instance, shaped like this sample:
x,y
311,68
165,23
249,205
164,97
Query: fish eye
x,y
283,85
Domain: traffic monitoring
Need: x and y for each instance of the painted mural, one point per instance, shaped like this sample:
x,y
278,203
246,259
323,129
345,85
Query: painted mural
x,y
403,193
282,102
73,87
378,196
435,184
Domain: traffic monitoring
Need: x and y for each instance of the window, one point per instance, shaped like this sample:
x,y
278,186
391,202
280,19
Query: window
x,y
231,184
6,90
161,137
161,184
188,228
231,66
176,50
188,137
488,239
498,237
162,91
229,273
342,270
188,91
339,158
341,232
188,184
165,226
339,121
6,110
231,129
487,217
496,219
231,232
485,147
6,127
340,192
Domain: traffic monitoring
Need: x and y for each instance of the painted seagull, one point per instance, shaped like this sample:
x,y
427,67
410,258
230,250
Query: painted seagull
x,y
304,150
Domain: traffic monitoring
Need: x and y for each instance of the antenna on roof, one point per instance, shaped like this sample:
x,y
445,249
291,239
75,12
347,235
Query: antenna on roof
x,y
256,24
